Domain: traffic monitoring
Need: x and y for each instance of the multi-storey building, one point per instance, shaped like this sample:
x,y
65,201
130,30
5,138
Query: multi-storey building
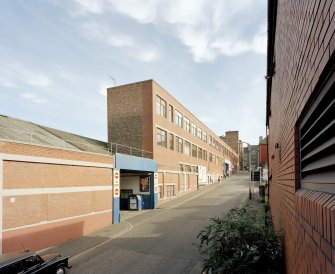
x,y
144,118
232,139
300,120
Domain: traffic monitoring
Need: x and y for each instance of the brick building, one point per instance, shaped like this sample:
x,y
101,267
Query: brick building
x,y
232,139
263,151
145,119
55,185
300,120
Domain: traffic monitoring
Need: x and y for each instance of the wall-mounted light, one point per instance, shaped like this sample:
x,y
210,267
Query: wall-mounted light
x,y
278,148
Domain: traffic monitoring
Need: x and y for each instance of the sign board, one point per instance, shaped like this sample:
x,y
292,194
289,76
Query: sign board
x,y
116,183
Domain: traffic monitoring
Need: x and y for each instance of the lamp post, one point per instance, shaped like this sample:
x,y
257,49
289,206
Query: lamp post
x,y
249,150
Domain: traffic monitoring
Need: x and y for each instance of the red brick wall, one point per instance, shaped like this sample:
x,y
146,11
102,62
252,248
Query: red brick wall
x,y
263,154
304,43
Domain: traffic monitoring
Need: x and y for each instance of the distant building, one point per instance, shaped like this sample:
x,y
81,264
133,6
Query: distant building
x,y
254,157
263,151
232,139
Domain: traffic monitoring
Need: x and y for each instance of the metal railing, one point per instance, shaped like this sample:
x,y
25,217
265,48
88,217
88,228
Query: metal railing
x,y
120,148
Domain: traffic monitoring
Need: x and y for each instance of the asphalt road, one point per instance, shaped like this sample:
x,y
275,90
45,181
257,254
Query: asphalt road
x,y
164,240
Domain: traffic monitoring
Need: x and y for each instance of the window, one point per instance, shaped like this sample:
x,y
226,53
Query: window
x,y
317,142
204,136
187,124
194,151
179,144
169,191
187,168
199,153
181,167
160,191
160,106
171,141
205,155
171,113
199,133
194,169
210,140
211,157
161,137
194,129
179,119
187,148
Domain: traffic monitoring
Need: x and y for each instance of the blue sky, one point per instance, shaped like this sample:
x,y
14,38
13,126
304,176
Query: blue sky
x,y
58,57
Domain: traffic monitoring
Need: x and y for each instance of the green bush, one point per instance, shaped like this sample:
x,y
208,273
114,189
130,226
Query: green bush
x,y
240,243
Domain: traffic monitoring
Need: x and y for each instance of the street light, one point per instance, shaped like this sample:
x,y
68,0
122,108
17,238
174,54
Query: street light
x,y
249,149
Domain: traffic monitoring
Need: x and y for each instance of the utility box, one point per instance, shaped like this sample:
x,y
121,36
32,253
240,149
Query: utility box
x,y
135,202
262,194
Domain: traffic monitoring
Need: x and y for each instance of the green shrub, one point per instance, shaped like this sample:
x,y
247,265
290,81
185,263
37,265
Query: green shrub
x,y
239,243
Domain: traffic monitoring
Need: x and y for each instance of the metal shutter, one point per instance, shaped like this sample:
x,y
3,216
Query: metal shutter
x,y
317,142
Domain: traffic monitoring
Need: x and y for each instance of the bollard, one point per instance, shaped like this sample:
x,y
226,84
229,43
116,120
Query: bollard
x,y
262,194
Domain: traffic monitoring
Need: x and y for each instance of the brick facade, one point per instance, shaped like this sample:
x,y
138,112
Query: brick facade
x,y
51,195
134,121
300,57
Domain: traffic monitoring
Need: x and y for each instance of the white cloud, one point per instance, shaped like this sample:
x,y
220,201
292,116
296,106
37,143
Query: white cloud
x,y
14,74
208,28
100,32
141,11
148,55
33,97
90,6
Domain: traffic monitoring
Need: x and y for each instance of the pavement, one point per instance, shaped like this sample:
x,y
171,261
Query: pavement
x,y
77,247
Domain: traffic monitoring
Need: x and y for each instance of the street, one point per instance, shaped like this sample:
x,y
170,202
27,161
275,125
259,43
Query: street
x,y
164,240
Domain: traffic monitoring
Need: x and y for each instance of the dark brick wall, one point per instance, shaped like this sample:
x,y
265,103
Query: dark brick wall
x,y
304,44
129,110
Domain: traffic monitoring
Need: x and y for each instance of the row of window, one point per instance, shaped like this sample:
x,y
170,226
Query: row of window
x,y
176,143
184,122
169,191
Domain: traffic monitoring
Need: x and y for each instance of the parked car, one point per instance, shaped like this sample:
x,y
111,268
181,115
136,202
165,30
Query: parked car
x,y
30,262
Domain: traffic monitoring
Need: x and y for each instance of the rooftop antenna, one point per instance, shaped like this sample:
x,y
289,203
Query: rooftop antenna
x,y
112,79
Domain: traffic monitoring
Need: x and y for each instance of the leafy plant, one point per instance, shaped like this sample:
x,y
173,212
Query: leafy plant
x,y
240,243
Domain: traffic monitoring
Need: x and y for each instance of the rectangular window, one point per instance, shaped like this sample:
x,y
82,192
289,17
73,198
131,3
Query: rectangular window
x,y
204,136
171,113
179,144
179,119
199,153
160,106
161,137
210,140
169,191
317,142
160,191
194,129
187,168
211,157
205,154
187,148
187,124
194,169
194,151
171,141
181,167
199,133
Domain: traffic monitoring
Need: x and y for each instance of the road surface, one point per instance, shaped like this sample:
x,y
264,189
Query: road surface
x,y
164,240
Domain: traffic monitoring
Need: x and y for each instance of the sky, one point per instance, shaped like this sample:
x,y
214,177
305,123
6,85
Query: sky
x,y
58,57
